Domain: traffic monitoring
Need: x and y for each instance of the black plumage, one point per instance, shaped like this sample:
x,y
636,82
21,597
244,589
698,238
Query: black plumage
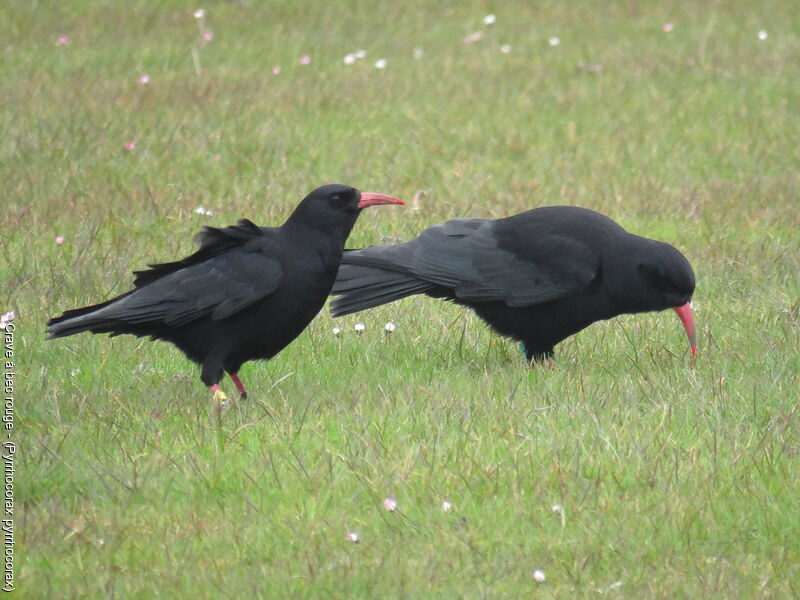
x,y
245,294
537,277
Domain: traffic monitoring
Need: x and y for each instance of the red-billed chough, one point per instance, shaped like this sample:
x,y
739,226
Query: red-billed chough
x,y
537,277
245,294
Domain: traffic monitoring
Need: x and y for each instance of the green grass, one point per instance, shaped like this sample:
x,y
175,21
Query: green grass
x,y
676,479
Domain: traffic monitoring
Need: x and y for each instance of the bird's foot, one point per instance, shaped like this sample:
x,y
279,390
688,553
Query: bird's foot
x,y
221,401
547,363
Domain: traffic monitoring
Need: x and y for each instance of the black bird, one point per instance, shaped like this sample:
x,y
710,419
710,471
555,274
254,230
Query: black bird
x,y
537,277
245,294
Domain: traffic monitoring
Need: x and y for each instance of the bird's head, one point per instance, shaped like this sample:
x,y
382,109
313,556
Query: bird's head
x,y
335,203
669,282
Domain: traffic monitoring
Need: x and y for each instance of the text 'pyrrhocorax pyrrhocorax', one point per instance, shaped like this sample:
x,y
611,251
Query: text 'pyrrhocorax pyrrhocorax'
x,y
537,277
244,295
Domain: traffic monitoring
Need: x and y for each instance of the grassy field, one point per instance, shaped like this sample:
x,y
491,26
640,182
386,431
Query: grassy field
x,y
625,471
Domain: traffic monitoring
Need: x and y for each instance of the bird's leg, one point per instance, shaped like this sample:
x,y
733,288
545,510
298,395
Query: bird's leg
x,y
239,386
211,374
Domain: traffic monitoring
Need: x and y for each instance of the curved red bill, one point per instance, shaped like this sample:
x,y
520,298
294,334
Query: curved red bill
x,y
373,199
685,315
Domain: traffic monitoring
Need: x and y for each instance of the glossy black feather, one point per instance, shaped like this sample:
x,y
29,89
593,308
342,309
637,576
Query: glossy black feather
x,y
537,277
245,294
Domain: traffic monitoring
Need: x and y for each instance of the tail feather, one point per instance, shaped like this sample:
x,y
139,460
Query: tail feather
x,y
82,319
359,287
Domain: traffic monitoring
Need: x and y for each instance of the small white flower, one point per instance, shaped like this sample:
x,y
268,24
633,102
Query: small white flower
x,y
559,510
418,195
390,504
349,59
380,63
199,13
762,35
554,41
359,327
204,211
144,79
667,27
489,20
74,372
505,48
361,53
353,537
446,505
389,327
417,54
276,69
9,316
538,575
336,331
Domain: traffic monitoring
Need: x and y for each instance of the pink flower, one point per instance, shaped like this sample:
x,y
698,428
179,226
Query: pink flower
x,y
353,537
129,145
4,319
390,504
276,69
208,35
144,79
471,38
667,27
62,40
59,239
305,59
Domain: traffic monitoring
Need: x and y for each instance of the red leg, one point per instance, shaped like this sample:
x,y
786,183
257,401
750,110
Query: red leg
x,y
239,385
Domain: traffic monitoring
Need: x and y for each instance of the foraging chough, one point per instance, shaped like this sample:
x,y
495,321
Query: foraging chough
x,y
537,277
245,294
